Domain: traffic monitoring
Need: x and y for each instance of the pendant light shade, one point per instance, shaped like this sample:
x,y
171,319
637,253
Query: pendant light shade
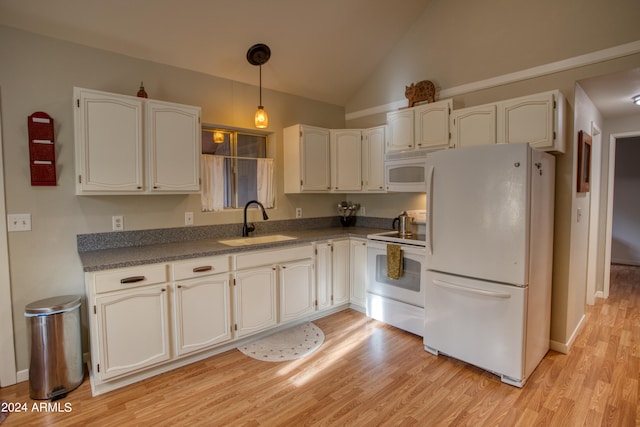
x,y
259,54
261,119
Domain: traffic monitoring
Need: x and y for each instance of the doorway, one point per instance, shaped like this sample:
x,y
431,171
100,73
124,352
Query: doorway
x,y
7,350
608,239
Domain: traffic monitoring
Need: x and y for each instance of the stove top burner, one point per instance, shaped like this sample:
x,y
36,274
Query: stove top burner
x,y
395,237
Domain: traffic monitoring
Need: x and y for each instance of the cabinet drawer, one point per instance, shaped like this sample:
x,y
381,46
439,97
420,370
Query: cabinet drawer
x,y
255,259
126,278
200,267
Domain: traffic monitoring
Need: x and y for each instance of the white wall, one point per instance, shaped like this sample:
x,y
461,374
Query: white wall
x,y
625,245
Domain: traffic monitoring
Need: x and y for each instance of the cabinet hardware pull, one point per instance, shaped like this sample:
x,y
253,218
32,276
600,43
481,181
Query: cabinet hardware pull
x,y
132,279
163,290
179,286
203,268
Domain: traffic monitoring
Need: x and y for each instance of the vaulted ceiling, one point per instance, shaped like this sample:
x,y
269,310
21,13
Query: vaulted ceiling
x,y
321,50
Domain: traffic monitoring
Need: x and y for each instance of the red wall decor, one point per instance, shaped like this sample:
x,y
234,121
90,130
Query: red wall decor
x,y
42,150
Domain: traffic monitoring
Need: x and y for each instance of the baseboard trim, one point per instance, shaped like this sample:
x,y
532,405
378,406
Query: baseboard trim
x,y
565,347
22,376
539,71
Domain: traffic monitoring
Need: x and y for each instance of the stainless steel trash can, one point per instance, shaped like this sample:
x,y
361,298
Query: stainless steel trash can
x,y
56,347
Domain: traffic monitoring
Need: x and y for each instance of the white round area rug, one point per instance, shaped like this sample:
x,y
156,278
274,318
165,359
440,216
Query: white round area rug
x,y
289,344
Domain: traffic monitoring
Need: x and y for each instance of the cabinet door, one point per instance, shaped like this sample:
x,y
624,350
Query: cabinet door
x,y
401,130
432,125
346,159
340,272
528,119
373,159
108,140
202,313
173,138
297,290
358,272
474,126
133,329
324,275
315,158
255,300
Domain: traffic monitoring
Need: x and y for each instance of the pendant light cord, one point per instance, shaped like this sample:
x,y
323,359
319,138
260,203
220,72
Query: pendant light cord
x,y
261,85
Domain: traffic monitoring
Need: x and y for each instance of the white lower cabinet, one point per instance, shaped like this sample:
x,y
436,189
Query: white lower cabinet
x,y
358,272
150,319
255,300
202,313
324,275
297,290
132,330
340,271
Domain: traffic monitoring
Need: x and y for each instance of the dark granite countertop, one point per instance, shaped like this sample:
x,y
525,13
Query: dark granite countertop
x,y
128,256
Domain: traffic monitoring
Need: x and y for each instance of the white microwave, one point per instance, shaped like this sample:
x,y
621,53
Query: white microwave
x,y
406,172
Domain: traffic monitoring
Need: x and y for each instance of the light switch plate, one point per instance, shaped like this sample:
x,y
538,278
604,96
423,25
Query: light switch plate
x,y
19,222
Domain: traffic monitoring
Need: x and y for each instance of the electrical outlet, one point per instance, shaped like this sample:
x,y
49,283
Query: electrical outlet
x,y
298,212
19,222
117,223
188,218
363,211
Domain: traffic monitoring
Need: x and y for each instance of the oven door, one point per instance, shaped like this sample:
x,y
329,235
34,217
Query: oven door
x,y
409,288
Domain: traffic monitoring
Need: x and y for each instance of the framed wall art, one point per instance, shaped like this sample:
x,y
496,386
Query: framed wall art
x,y
584,161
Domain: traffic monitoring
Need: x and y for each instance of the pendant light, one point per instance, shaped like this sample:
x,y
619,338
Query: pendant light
x,y
259,54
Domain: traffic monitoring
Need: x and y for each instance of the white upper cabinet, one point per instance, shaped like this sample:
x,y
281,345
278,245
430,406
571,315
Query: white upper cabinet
x,y
400,129
425,127
126,144
108,134
431,125
474,126
173,139
307,159
346,154
373,141
536,119
322,160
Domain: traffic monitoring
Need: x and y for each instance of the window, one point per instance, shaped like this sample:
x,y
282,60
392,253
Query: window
x,y
237,180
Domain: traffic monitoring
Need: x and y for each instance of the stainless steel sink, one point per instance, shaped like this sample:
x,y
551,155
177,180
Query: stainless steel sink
x,y
247,241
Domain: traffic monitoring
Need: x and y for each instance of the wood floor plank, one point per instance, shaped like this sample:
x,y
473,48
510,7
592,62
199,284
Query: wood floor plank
x,y
367,373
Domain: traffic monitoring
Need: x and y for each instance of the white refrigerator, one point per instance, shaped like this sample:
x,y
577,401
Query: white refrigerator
x,y
489,257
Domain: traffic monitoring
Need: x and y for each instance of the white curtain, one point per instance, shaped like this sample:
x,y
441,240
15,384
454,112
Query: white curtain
x,y
265,182
212,183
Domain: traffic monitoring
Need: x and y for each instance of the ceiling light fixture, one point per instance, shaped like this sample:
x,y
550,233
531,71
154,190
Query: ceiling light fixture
x,y
259,54
636,99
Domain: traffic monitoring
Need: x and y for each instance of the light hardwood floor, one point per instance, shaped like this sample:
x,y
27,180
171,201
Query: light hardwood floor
x,y
367,373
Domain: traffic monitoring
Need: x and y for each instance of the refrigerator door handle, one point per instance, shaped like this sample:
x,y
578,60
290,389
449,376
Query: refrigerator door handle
x,y
430,209
473,291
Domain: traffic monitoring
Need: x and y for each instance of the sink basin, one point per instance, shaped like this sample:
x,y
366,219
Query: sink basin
x,y
246,241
